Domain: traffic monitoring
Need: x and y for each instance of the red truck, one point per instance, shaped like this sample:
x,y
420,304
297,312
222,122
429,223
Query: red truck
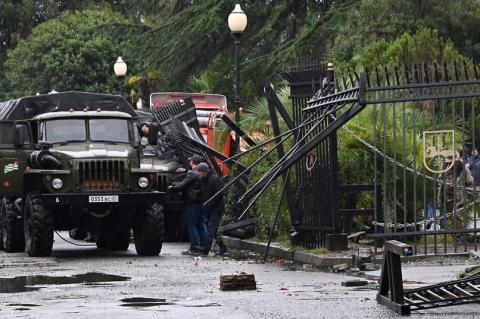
x,y
209,108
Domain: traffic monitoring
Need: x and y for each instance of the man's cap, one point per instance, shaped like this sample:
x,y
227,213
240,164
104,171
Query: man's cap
x,y
203,167
196,158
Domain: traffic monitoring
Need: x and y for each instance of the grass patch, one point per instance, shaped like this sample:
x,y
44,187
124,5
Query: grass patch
x,y
430,239
317,251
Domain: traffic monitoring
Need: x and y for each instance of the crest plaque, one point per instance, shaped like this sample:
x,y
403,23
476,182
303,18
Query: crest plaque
x,y
439,150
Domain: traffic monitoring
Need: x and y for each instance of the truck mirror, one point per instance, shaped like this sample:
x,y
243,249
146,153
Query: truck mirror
x,y
19,136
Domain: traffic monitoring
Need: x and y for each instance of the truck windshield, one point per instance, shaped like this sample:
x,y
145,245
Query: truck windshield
x,y
111,130
57,131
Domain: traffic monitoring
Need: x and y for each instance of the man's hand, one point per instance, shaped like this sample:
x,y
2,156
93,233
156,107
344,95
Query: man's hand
x,y
181,170
145,129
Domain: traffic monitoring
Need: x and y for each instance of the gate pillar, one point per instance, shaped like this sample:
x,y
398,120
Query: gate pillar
x,y
316,173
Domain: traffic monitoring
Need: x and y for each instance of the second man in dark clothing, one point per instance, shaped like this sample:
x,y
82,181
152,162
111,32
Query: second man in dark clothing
x,y
211,184
195,221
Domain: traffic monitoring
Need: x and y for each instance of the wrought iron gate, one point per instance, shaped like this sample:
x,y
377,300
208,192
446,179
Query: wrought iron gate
x,y
424,127
419,123
316,175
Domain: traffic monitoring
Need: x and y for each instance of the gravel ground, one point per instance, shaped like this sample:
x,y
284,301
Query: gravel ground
x,y
183,287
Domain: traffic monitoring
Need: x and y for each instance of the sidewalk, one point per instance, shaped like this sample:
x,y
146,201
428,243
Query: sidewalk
x,y
325,260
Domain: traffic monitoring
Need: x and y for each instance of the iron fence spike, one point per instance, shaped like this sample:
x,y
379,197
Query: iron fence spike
x,y
435,72
367,75
445,75
425,78
455,69
395,71
352,83
377,77
465,70
415,73
385,75
405,73
475,73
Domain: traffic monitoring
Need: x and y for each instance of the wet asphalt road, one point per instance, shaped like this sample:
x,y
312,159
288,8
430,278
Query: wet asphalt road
x,y
180,287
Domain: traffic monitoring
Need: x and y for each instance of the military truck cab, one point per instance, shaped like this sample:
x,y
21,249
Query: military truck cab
x,y
72,161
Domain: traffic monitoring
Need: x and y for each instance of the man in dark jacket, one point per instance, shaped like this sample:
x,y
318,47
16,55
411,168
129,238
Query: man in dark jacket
x,y
473,163
195,221
211,184
150,130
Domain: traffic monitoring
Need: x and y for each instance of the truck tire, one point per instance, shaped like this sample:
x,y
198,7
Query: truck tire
x,y
13,239
148,230
39,226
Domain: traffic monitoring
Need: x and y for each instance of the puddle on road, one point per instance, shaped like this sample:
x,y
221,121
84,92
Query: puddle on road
x,y
22,305
144,302
33,283
138,302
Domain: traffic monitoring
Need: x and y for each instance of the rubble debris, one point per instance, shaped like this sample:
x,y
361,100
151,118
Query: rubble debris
x,y
470,272
340,268
354,283
241,281
368,267
356,237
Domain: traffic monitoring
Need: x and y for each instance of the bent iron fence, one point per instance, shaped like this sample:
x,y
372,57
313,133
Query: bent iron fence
x,y
422,122
419,122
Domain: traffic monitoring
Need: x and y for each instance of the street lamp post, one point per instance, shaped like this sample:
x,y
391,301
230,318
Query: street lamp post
x,y
237,22
120,69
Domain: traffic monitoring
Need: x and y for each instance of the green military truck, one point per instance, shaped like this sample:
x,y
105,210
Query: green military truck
x,y
75,161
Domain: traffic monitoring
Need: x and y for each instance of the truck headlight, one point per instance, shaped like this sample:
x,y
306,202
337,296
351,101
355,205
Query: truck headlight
x,y
57,183
142,182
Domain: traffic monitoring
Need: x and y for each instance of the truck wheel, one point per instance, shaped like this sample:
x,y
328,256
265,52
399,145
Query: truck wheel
x,y
39,226
13,239
148,230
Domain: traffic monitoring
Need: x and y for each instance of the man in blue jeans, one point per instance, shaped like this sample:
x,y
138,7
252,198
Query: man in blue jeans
x,y
211,184
195,220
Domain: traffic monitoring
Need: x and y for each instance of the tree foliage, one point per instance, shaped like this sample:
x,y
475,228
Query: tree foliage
x,y
425,46
374,20
186,41
73,52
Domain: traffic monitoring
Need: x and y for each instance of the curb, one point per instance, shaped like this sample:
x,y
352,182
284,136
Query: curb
x,y
316,260
282,253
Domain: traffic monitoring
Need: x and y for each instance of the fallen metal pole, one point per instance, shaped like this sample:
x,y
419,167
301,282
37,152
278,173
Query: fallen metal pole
x,y
289,132
254,199
277,214
238,130
240,175
278,165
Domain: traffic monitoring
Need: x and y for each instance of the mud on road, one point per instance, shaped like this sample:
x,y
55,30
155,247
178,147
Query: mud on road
x,y
84,282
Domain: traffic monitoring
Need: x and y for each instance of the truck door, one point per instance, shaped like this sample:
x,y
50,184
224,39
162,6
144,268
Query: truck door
x,y
13,156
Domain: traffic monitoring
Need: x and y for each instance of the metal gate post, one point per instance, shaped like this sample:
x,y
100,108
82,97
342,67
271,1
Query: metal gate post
x,y
317,178
273,105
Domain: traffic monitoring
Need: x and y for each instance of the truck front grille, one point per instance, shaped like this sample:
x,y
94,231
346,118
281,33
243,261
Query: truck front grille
x,y
163,182
101,174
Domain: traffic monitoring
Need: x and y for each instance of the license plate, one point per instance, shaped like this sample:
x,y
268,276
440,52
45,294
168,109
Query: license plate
x,y
103,199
